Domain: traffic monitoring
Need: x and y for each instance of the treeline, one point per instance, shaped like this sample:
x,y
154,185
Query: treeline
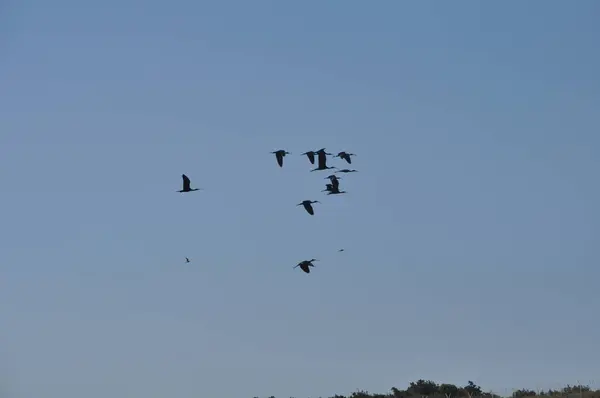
x,y
430,389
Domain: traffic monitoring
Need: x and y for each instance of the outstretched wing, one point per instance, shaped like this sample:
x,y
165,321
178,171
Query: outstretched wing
x,y
311,157
309,209
186,182
322,160
348,159
279,157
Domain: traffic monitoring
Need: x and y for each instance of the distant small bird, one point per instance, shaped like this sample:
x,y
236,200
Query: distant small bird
x,y
311,156
333,190
187,260
334,180
322,167
341,250
322,158
347,171
305,264
279,155
345,156
328,187
308,206
186,185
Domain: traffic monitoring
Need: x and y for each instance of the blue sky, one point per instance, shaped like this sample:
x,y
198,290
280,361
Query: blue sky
x,y
471,231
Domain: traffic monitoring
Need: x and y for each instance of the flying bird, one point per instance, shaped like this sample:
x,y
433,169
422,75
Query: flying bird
x,y
187,260
322,158
333,190
311,156
279,155
341,250
305,264
186,185
334,180
308,206
345,156
347,171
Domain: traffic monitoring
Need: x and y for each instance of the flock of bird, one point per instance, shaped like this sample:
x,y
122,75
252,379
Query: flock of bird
x,y
333,188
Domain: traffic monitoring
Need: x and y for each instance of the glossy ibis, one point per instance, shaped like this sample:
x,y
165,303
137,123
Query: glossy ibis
x,y
305,264
345,156
308,206
322,158
334,180
186,185
333,190
279,155
311,156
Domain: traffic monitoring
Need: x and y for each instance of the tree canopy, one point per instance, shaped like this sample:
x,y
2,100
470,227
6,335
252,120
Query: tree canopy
x,y
430,389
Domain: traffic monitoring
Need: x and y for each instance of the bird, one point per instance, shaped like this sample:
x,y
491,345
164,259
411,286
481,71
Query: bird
x,y
341,250
347,171
279,155
334,180
329,187
345,156
332,190
187,260
186,185
305,264
308,206
311,156
322,158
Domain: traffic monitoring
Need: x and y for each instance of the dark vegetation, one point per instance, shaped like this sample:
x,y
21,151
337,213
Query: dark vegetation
x,y
430,389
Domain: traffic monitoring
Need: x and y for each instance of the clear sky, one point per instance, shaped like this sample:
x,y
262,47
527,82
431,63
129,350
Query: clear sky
x,y
471,231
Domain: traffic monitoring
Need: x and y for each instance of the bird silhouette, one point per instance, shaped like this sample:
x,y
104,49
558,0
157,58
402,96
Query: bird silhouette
x,y
346,171
341,250
332,190
187,260
186,185
311,156
345,156
334,180
322,161
305,264
279,155
308,206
